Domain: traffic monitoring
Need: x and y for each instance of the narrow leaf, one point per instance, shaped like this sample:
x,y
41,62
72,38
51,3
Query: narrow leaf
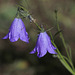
x,y
57,33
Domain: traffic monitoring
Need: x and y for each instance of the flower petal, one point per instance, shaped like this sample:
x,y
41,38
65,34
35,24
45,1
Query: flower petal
x,y
51,50
13,38
50,47
41,52
15,30
33,51
41,45
6,36
54,47
24,36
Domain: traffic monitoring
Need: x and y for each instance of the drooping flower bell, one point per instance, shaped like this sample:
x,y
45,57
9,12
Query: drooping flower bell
x,y
17,30
43,45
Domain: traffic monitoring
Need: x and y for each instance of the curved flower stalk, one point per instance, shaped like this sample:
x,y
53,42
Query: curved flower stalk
x,y
17,30
43,45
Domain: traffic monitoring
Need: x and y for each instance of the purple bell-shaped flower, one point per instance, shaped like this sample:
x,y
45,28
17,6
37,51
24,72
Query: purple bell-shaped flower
x,y
17,30
43,45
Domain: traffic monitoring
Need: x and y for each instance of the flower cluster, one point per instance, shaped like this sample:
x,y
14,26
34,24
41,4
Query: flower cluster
x,y
17,30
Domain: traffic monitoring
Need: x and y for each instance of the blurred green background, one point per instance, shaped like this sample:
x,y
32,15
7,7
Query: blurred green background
x,y
15,58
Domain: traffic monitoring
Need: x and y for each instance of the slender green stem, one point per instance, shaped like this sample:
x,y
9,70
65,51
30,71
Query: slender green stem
x,y
26,3
61,36
51,37
50,29
61,58
37,25
23,8
63,61
69,62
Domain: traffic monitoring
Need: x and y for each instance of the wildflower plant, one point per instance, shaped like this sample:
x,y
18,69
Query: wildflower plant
x,y
44,43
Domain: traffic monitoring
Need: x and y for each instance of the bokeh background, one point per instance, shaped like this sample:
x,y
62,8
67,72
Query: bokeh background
x,y
15,58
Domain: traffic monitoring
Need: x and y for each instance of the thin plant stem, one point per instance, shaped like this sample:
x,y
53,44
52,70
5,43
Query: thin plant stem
x,y
61,36
51,37
63,61
23,8
37,25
